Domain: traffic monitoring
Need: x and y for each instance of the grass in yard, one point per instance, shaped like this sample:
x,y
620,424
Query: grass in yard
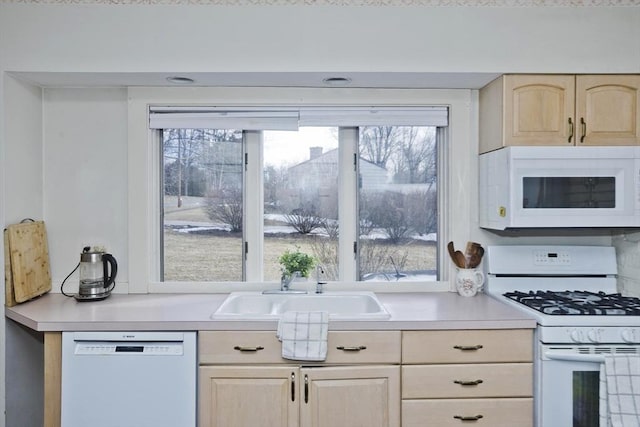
x,y
218,256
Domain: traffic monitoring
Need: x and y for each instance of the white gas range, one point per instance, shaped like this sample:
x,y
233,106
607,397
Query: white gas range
x,y
571,292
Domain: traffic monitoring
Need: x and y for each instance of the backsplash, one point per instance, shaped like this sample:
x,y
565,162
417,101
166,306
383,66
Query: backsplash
x,y
628,253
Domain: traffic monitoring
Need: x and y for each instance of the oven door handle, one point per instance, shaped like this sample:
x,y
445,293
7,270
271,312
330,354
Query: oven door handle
x,y
572,357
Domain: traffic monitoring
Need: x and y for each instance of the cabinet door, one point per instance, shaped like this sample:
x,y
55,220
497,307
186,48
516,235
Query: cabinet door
x,y
538,110
248,396
350,396
607,110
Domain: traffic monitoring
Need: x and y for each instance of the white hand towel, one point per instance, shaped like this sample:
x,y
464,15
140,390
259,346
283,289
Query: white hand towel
x,y
620,391
304,335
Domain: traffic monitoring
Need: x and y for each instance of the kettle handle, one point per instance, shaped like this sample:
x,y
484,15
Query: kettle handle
x,y
109,260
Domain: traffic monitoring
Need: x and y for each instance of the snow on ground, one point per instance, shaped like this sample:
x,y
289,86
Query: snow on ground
x,y
193,226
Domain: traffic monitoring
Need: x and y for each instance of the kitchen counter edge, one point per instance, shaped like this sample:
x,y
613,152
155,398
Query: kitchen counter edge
x,y
191,312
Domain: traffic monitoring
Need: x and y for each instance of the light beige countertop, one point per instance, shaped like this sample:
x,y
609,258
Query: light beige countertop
x,y
191,312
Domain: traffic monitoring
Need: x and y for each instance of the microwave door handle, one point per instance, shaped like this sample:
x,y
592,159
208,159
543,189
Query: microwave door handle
x,y
572,357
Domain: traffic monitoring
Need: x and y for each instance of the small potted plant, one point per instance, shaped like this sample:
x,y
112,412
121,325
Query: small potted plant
x,y
292,261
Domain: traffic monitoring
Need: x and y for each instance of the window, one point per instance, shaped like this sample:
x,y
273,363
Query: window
x,y
360,195
202,205
301,197
398,215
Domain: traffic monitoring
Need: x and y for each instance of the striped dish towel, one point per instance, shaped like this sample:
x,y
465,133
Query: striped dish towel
x,y
620,391
304,335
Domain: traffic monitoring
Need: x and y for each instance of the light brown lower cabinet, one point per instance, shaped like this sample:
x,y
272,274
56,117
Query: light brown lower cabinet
x,y
248,396
52,378
245,382
514,412
290,396
467,378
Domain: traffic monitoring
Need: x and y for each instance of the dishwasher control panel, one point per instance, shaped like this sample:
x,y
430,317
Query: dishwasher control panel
x,y
129,348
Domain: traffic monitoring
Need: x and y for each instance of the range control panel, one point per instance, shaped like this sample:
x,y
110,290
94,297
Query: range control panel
x,y
538,260
551,258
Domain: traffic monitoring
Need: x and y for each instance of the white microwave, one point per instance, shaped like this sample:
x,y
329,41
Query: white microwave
x,y
560,187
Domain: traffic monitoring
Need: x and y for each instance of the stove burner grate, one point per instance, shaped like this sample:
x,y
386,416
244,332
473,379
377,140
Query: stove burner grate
x,y
578,303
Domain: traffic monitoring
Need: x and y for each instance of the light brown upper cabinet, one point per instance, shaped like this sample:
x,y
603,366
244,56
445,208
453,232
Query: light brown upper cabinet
x,y
560,110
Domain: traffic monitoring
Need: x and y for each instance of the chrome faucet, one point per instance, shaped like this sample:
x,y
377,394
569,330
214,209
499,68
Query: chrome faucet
x,y
319,283
285,285
285,280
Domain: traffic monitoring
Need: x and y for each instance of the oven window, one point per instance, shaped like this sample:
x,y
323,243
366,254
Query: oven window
x,y
569,192
586,392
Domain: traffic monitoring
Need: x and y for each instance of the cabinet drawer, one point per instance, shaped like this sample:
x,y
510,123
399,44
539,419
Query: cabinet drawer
x,y
481,412
484,380
467,346
215,347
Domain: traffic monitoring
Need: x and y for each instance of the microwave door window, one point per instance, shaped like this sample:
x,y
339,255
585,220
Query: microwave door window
x,y
569,192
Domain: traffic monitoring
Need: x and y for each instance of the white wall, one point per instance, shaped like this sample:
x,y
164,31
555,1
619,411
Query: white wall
x,y
20,176
85,177
129,37
23,151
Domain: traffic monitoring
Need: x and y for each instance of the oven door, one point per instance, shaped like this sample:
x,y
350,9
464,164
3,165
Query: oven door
x,y
568,386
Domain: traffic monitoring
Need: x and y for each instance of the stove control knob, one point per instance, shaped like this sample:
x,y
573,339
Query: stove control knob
x,y
594,335
629,335
576,335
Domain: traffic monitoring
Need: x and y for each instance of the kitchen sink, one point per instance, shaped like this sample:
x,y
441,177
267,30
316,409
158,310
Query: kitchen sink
x,y
340,305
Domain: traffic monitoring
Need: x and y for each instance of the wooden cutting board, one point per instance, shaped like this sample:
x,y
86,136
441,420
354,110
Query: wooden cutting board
x,y
27,271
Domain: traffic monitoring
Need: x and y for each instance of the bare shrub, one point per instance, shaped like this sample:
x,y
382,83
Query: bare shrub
x,y
303,221
225,205
422,211
331,227
326,252
377,257
387,211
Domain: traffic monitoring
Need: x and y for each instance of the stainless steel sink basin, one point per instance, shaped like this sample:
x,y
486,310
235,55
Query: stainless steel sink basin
x,y
340,305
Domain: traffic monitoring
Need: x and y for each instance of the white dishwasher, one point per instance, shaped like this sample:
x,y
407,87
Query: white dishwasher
x,y
129,379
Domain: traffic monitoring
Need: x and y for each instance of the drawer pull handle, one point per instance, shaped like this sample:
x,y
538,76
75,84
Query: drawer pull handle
x,y
293,386
468,347
358,348
465,383
248,349
468,418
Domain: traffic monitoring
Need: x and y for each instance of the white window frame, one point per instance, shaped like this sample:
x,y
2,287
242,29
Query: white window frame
x,y
144,172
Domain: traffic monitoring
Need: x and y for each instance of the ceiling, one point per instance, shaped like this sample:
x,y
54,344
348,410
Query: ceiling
x,y
262,79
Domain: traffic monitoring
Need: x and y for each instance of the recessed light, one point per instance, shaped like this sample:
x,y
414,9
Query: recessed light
x,y
178,80
336,81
